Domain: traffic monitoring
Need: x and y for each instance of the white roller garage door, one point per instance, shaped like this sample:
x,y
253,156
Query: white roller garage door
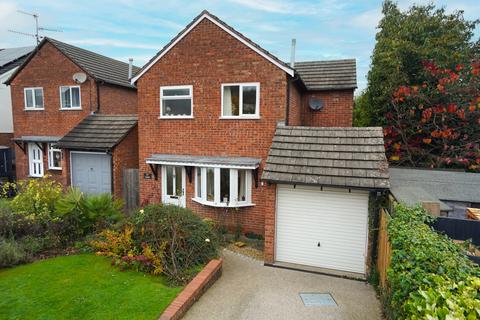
x,y
326,229
91,172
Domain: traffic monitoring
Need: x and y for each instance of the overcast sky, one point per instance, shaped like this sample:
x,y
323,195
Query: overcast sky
x,y
324,29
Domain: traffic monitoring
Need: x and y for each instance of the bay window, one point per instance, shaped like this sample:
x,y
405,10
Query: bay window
x,y
223,187
240,100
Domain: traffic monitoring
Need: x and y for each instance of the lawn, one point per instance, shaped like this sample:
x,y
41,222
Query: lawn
x,y
81,287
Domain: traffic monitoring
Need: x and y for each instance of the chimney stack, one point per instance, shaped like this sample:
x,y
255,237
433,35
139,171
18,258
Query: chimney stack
x,y
292,57
130,67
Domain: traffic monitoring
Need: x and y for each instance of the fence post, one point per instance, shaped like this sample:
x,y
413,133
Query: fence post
x,y
131,188
384,249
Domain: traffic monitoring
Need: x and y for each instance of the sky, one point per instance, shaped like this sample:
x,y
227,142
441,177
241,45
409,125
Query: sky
x,y
324,29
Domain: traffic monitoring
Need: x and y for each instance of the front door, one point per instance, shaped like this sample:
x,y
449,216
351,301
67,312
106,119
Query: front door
x,y
173,185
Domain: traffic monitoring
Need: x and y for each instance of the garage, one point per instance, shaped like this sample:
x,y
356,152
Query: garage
x,y
322,228
91,172
324,178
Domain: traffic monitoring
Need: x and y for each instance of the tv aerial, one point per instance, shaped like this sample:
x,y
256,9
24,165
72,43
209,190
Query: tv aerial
x,y
38,28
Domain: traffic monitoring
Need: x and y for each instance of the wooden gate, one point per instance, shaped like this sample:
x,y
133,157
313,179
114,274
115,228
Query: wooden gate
x,y
384,254
131,189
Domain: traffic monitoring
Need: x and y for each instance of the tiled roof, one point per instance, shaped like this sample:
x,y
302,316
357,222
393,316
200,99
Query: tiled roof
x,y
346,157
98,132
11,58
414,185
96,65
328,75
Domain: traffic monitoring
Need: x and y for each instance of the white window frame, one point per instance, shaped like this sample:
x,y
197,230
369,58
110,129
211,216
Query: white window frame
x,y
79,98
32,162
51,150
240,102
33,97
217,202
162,97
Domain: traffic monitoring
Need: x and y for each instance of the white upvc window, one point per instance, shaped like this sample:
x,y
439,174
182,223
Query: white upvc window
x,y
176,102
241,100
70,98
35,160
33,98
223,187
54,158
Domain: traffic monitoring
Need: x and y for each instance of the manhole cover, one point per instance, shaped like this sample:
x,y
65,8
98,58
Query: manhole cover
x,y
317,299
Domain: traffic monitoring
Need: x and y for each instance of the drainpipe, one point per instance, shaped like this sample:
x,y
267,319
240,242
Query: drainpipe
x,y
98,83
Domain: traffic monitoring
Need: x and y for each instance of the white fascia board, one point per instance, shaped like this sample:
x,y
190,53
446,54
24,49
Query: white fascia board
x,y
289,71
204,165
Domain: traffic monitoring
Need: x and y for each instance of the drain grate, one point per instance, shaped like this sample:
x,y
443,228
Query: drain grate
x,y
317,299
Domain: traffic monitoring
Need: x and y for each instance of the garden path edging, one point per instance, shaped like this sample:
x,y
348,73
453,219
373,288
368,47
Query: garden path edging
x,y
193,291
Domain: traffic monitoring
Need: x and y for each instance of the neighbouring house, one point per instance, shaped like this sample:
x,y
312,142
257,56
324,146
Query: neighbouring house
x,y
211,102
444,192
10,59
74,114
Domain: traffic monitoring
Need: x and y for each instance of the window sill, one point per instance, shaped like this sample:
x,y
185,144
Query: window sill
x,y
34,109
222,205
55,169
36,177
173,118
239,118
70,109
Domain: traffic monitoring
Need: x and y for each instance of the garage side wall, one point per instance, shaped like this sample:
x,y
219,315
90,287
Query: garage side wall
x,y
125,156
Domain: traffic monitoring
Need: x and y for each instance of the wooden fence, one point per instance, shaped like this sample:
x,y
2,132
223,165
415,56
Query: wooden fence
x,y
384,253
131,189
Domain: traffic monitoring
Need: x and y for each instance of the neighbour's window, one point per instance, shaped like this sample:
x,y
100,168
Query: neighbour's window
x,y
240,100
54,158
33,98
223,186
176,102
70,97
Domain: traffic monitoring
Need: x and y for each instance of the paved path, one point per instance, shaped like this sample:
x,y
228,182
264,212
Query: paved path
x,y
248,290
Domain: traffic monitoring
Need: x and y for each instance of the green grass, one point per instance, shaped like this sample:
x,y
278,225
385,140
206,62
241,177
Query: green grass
x,y
81,287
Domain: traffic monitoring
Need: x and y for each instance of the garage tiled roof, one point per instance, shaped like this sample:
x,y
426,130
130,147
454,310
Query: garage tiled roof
x,y
346,157
96,65
328,75
98,132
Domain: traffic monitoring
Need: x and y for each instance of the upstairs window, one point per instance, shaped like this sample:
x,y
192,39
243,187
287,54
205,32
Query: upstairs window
x,y
223,187
54,158
33,98
70,97
176,102
240,100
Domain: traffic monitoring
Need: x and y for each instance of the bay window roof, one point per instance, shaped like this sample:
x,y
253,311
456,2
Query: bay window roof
x,y
204,161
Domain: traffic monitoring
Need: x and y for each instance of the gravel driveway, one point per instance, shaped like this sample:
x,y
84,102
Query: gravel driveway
x,y
249,290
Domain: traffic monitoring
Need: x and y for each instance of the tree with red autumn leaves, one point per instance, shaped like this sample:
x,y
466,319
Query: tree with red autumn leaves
x,y
437,123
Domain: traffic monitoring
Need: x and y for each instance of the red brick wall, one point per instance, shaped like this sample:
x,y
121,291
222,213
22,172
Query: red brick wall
x,y
125,156
337,109
50,69
295,107
206,58
117,100
6,139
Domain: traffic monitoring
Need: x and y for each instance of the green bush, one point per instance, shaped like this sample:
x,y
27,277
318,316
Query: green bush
x,y
419,256
11,253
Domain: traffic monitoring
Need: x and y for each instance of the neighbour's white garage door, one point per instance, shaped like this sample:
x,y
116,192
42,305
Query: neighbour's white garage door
x,y
91,172
326,229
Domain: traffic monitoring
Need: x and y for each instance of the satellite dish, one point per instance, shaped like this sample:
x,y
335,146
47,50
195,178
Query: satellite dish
x,y
79,77
315,104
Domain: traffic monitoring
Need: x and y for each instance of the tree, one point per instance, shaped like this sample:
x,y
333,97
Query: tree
x,y
405,39
437,123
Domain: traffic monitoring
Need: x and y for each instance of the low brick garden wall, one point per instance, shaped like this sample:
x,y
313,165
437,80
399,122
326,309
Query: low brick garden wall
x,y
193,291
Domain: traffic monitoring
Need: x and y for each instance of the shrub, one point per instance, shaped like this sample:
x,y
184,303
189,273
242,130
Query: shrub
x,y
419,256
36,198
188,241
11,253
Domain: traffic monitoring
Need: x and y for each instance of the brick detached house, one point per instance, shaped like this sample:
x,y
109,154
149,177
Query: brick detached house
x,y
235,134
74,114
